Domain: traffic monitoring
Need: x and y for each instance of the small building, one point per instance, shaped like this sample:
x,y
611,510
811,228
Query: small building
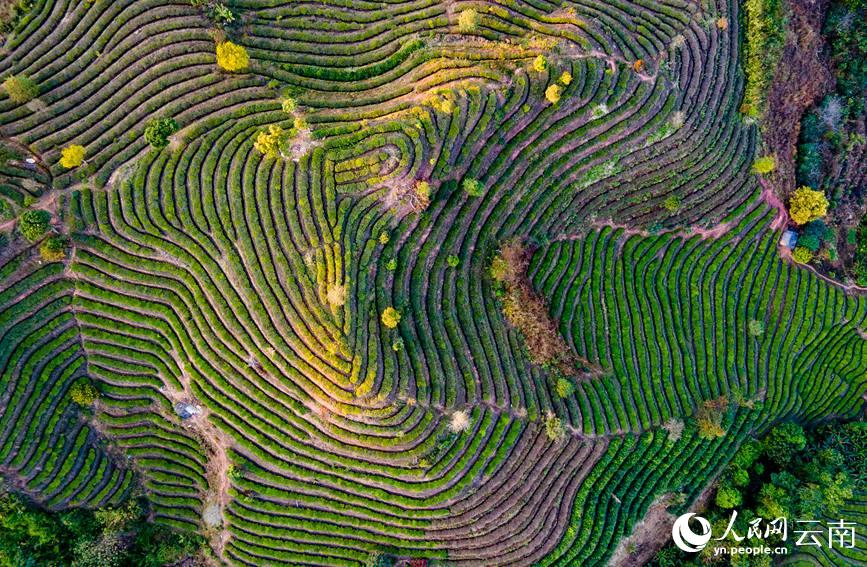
x,y
186,411
789,239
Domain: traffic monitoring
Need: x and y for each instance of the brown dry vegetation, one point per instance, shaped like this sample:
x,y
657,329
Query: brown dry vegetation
x,y
525,310
802,77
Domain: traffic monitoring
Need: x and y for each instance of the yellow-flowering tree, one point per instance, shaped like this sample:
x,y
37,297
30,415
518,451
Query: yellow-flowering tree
x,y
232,57
72,156
269,142
807,205
468,20
553,93
390,317
540,63
764,165
566,78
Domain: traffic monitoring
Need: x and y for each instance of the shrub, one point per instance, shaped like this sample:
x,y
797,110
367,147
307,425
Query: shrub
x,y
157,132
468,21
21,89
83,393
269,142
33,224
72,156
802,255
807,205
564,387
232,57
764,165
390,317
553,93
540,63
53,248
473,187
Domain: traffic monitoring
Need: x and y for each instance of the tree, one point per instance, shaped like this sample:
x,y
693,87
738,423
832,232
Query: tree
x,y
764,165
21,89
807,205
33,224
453,261
566,78
540,63
83,393
554,428
72,156
53,248
783,442
564,387
223,15
709,418
802,255
269,142
553,93
390,317
157,132
468,21
232,57
473,187
289,105
728,497
672,204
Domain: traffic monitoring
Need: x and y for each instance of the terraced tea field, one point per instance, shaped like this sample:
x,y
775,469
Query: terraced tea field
x,y
254,287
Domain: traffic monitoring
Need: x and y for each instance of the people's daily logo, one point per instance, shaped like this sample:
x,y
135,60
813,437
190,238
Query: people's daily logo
x,y
692,533
685,538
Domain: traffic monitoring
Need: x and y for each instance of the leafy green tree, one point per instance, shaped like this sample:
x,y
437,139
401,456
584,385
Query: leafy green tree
x,y
783,441
473,187
157,132
728,497
33,224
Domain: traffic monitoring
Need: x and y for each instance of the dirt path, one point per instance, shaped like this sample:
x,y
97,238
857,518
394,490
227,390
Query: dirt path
x,y
653,532
217,463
